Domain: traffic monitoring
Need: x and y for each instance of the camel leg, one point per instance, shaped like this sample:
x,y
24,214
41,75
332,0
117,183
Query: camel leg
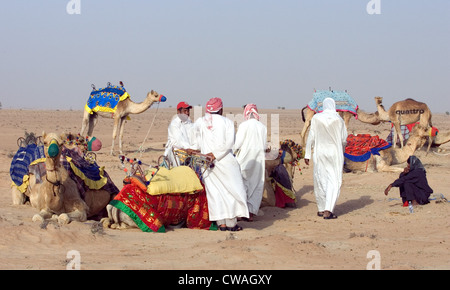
x,y
430,140
382,166
118,219
309,115
398,132
268,193
85,123
75,215
116,127
41,216
17,196
122,126
93,120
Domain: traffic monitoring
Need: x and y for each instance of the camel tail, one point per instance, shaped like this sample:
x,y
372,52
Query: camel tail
x,y
303,114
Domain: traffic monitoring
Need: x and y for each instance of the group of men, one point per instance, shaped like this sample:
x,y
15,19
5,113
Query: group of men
x,y
235,184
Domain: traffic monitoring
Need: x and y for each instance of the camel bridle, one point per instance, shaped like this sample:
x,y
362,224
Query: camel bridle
x,y
57,184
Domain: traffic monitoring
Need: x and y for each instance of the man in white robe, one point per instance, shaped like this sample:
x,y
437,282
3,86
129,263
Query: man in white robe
x,y
249,147
224,186
327,136
179,133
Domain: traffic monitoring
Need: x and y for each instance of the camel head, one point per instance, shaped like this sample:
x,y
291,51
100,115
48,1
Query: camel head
x,y
155,97
52,145
294,151
378,100
418,136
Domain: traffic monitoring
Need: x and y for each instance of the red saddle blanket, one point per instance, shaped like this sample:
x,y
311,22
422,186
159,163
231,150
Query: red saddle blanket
x,y
154,212
360,147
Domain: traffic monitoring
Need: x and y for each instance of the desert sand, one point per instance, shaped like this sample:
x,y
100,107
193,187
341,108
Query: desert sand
x,y
285,239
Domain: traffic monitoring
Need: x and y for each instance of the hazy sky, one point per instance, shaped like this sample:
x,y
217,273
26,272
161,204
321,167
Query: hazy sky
x,y
272,53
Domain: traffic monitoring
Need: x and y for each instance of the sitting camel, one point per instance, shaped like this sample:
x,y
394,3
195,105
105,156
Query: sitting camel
x,y
442,138
57,193
404,112
390,156
124,108
160,198
369,118
291,154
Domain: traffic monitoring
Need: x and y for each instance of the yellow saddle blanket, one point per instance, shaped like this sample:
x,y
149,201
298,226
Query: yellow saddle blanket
x,y
181,179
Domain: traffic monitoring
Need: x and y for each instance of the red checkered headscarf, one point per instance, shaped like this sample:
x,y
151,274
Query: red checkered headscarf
x,y
214,105
250,110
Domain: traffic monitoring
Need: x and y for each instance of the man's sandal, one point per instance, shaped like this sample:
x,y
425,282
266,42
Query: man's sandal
x,y
235,228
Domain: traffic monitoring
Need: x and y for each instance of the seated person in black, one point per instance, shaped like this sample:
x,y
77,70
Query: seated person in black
x,y
413,183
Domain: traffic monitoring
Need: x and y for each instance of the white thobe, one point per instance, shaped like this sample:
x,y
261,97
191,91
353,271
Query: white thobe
x,y
224,186
328,137
179,137
250,145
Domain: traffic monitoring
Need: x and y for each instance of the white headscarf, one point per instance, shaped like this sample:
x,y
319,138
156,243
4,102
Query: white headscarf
x,y
329,106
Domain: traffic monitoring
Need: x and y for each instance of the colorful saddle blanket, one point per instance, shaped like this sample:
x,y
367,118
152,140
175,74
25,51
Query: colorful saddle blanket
x,y
106,99
85,174
343,101
361,147
22,160
152,213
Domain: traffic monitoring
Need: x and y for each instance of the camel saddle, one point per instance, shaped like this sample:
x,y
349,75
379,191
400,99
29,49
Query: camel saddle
x,y
361,147
106,99
343,101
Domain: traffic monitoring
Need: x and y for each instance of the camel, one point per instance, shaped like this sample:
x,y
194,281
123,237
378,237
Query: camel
x,y
290,160
442,138
390,156
124,108
403,113
57,196
370,118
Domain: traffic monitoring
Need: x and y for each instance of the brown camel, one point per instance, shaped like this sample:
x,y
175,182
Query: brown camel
x,y
370,118
403,113
124,108
58,194
391,156
442,138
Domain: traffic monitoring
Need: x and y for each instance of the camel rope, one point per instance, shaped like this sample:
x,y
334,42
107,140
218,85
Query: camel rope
x,y
141,149
441,154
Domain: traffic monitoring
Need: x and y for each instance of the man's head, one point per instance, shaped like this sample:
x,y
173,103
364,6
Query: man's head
x,y
183,108
214,106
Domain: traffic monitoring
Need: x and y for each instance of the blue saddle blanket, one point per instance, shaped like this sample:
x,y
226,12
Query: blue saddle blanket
x,y
343,101
106,99
22,159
